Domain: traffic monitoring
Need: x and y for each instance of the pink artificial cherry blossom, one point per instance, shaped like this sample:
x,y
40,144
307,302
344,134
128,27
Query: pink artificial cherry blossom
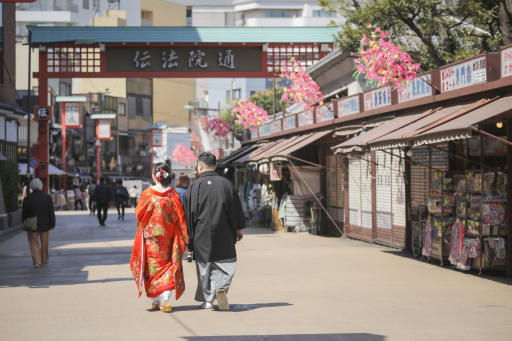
x,y
384,63
219,128
183,155
248,114
303,89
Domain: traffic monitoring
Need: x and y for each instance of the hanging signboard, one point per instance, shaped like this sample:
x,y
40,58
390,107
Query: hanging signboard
x,y
275,127
306,118
506,62
325,112
103,130
417,88
265,130
275,172
184,59
290,122
156,137
42,113
348,106
464,74
71,115
377,98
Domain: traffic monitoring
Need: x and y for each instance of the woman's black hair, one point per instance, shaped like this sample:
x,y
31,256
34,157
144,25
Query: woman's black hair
x,y
163,173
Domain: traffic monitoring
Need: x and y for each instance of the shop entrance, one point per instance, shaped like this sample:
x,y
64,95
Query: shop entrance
x,y
165,52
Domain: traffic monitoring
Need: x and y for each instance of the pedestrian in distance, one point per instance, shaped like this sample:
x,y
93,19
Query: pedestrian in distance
x,y
181,187
133,196
121,197
78,197
215,223
39,205
92,198
103,195
61,200
160,241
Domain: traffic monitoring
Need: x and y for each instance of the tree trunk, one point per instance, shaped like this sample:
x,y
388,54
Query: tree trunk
x,y
505,20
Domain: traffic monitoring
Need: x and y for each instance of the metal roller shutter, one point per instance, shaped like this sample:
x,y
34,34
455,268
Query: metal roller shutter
x,y
366,192
354,191
398,187
383,190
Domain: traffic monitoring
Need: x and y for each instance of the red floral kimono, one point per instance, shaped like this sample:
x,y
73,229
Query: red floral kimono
x,y
159,243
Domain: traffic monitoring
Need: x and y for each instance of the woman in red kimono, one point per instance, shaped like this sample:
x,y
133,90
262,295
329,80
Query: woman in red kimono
x,y
160,241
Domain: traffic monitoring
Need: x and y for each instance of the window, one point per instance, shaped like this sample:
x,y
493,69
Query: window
x,y
146,107
318,13
252,93
121,109
132,106
85,4
189,15
237,94
228,94
96,5
279,13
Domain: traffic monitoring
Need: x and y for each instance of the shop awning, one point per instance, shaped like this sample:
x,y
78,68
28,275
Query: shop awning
x,y
348,130
359,143
461,125
52,170
253,156
226,161
282,144
304,141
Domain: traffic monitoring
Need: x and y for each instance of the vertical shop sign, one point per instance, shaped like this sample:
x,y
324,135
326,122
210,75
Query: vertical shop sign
x,y
506,62
348,106
72,115
377,98
103,130
464,74
417,88
275,172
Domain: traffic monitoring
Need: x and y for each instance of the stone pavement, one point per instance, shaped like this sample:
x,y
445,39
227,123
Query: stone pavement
x,y
288,287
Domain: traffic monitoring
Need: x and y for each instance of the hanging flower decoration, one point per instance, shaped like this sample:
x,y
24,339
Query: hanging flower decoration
x,y
382,62
219,128
183,155
248,114
303,90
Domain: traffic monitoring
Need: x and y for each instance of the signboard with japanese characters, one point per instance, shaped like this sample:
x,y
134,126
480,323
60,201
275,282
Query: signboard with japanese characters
x,y
156,137
265,130
348,106
290,122
275,172
254,133
72,115
184,59
464,74
506,62
103,130
417,88
275,127
377,98
325,112
306,118
42,113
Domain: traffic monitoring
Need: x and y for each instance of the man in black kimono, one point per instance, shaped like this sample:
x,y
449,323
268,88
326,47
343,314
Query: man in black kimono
x,y
215,221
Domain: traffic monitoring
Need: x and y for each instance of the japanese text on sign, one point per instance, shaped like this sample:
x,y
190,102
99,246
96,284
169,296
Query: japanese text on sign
x,y
377,98
265,130
103,131
506,62
184,59
465,74
348,106
156,140
275,127
306,118
325,112
290,123
72,114
417,88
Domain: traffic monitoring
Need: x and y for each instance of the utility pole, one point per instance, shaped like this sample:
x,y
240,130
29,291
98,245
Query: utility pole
x,y
29,100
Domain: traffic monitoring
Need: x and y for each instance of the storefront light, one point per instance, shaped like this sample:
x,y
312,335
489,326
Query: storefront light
x,y
499,125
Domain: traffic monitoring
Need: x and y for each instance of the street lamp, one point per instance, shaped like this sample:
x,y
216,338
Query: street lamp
x,y
103,133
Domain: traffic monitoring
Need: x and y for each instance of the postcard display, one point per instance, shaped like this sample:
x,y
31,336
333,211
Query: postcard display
x,y
467,219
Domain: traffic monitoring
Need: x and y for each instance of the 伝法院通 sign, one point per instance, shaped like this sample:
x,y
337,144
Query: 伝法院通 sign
x,y
184,59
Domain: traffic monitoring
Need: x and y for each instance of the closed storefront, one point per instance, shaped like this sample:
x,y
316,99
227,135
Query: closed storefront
x,y
335,192
360,197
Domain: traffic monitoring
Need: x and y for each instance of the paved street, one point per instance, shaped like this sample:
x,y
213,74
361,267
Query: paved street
x,y
288,287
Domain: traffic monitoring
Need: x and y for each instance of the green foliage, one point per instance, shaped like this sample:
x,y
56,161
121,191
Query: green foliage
x,y
10,184
434,32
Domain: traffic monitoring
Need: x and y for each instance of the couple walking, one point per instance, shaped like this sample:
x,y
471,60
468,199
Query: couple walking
x,y
210,221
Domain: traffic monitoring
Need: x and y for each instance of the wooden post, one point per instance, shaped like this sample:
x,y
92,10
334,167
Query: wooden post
x,y
374,195
408,208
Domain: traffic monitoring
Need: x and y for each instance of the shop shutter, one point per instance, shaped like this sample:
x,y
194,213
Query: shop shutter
x,y
366,192
340,192
398,187
383,189
331,180
354,190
